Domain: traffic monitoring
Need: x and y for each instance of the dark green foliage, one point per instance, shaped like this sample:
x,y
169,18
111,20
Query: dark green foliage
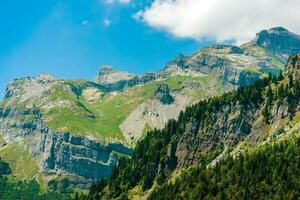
x,y
280,76
289,92
59,185
281,93
4,168
149,160
95,193
271,172
15,190
21,190
96,188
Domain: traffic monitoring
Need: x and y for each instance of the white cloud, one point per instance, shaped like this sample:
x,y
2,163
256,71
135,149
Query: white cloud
x,y
117,1
106,22
220,19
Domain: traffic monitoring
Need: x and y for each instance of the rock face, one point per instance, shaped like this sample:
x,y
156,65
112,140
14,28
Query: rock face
x,y
162,93
59,154
109,75
152,114
234,126
293,68
239,77
27,90
122,81
236,65
226,128
279,41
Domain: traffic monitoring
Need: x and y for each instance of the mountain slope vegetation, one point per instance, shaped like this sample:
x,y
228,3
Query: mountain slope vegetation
x,y
269,172
28,190
265,112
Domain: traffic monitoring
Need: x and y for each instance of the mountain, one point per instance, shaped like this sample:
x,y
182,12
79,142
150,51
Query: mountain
x,y
279,41
77,130
109,75
257,125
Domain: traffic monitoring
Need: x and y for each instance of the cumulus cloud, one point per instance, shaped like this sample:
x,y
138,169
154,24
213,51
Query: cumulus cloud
x,y
220,20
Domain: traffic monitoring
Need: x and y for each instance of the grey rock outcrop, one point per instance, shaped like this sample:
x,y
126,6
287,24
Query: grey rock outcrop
x,y
279,41
224,128
152,114
240,77
162,93
60,154
109,75
293,68
120,83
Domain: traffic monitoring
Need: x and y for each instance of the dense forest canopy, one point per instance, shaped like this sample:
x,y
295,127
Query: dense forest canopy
x,y
270,172
11,189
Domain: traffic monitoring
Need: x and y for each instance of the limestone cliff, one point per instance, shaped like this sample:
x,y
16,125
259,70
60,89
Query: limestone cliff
x,y
109,75
78,158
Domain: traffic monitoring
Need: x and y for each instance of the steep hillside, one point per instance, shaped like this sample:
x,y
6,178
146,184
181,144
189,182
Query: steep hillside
x,y
14,189
268,111
269,172
78,129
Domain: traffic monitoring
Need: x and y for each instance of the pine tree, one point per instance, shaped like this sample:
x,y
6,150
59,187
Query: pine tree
x,y
280,76
281,92
290,81
269,95
76,196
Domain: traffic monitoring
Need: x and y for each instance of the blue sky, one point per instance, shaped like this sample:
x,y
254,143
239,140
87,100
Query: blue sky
x,y
72,39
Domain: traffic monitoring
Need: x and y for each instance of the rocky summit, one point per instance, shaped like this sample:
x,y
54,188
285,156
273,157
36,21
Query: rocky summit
x,y
108,75
279,41
78,129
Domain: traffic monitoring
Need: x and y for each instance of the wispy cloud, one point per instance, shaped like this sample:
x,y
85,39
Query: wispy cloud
x,y
220,19
85,22
117,1
106,22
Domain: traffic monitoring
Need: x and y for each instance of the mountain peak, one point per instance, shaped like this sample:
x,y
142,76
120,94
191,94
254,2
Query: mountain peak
x,y
45,77
109,75
106,68
279,41
278,29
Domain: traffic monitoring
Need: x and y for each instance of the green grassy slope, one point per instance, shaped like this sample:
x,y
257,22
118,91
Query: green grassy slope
x,y
103,117
23,165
